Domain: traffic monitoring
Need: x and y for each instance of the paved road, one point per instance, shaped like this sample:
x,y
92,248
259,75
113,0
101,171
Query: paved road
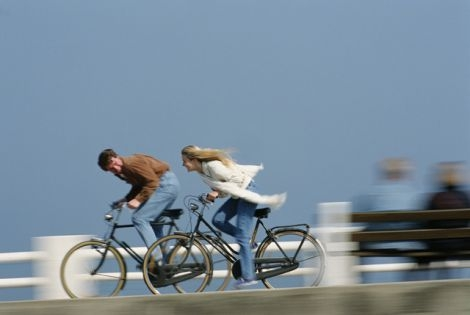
x,y
424,298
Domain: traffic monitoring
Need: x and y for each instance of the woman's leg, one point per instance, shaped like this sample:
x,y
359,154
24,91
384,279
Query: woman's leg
x,y
245,213
222,217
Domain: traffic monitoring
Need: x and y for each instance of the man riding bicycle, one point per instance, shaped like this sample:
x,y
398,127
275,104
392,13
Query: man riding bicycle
x,y
154,188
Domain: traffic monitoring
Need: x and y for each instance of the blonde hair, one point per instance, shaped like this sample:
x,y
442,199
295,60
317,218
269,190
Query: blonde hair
x,y
207,154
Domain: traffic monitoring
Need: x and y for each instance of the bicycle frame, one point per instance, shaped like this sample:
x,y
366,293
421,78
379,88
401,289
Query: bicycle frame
x,y
270,233
225,249
192,253
114,225
218,243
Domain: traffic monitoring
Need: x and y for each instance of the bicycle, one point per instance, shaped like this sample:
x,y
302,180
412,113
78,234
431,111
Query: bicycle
x,y
96,267
289,250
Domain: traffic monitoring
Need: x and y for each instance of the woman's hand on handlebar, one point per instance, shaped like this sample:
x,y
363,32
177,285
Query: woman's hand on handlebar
x,y
212,196
209,197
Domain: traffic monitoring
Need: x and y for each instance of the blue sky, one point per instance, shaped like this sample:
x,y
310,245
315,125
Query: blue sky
x,y
317,90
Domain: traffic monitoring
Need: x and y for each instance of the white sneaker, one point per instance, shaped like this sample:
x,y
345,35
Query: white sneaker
x,y
242,283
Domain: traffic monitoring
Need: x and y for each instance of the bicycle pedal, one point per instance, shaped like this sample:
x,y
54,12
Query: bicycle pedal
x,y
157,281
155,267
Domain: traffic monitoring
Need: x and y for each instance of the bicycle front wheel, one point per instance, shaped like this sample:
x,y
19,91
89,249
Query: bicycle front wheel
x,y
293,257
186,265
222,267
92,269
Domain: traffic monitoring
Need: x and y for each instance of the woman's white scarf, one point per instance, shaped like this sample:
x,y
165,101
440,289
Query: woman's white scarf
x,y
235,191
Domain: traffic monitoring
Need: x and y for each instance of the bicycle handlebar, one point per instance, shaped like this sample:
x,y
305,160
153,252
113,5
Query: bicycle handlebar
x,y
204,200
193,202
117,204
188,200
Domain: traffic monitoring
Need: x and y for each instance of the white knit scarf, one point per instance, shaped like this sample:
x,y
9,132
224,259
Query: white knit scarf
x,y
275,201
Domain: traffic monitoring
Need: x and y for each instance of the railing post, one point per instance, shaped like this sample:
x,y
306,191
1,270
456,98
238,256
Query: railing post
x,y
48,268
334,230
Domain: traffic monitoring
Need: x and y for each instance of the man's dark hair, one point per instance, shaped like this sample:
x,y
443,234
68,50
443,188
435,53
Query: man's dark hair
x,y
105,157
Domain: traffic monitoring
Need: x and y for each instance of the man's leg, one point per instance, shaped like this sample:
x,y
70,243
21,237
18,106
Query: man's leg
x,y
163,198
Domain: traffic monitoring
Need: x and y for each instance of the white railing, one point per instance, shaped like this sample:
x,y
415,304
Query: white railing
x,y
333,231
47,257
334,250
20,257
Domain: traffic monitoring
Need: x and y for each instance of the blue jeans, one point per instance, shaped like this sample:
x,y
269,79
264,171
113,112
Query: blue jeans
x,y
163,198
244,211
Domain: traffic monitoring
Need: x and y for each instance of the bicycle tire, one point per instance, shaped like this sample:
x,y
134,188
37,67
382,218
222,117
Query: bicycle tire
x,y
85,273
311,259
176,260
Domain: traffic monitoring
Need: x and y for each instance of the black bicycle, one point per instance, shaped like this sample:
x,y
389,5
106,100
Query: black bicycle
x,y
288,256
96,267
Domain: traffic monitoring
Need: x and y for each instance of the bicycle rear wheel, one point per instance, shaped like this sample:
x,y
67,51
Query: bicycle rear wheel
x,y
92,269
186,265
296,248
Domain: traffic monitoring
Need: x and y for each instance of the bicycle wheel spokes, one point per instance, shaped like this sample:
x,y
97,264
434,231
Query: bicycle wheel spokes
x,y
304,260
92,269
185,266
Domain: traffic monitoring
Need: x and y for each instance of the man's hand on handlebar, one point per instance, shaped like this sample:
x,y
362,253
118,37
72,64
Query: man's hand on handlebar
x,y
118,204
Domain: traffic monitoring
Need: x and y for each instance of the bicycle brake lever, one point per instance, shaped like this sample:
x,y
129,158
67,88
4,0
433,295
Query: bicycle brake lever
x,y
117,205
203,199
207,201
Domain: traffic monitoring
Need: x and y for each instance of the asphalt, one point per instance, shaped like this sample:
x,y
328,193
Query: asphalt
x,y
424,298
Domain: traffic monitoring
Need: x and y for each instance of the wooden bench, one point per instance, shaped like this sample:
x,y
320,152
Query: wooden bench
x,y
417,234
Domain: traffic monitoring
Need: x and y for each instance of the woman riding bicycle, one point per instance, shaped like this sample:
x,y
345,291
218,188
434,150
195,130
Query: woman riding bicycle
x,y
229,179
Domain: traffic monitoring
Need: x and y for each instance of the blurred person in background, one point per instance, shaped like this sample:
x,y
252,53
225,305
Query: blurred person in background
x,y
394,191
450,194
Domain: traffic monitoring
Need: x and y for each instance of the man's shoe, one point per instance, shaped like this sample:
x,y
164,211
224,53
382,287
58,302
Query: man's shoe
x,y
154,267
242,283
155,272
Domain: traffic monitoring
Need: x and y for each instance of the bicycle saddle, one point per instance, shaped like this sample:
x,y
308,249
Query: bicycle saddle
x,y
262,213
171,213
